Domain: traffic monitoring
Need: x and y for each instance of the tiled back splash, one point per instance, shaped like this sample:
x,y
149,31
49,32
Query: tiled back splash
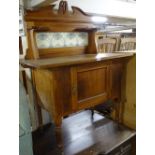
x,y
61,39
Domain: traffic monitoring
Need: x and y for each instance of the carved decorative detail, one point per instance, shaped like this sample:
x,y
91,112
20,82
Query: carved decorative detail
x,y
63,7
62,15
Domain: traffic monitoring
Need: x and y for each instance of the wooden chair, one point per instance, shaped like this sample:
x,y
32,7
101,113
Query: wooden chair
x,y
117,37
106,45
127,44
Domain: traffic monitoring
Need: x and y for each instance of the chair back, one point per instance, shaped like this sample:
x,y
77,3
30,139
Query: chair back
x,y
127,44
106,45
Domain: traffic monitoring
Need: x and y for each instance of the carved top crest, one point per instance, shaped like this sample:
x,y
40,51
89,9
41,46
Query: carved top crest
x,y
62,14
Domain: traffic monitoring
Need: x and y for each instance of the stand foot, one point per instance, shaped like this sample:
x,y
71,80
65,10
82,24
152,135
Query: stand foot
x,y
92,113
58,134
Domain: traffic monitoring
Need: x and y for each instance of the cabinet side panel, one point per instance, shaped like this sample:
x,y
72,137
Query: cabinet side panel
x,y
129,116
44,90
62,90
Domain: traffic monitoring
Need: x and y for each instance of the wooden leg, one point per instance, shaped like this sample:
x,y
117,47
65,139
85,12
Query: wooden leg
x,y
92,113
116,109
119,106
58,134
58,131
121,112
57,120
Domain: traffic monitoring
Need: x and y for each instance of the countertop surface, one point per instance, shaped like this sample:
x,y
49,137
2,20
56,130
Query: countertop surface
x,y
74,60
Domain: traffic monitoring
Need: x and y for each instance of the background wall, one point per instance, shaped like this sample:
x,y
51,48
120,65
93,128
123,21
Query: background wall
x,y
107,7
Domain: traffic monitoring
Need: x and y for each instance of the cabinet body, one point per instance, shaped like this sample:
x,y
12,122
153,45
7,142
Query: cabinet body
x,y
66,90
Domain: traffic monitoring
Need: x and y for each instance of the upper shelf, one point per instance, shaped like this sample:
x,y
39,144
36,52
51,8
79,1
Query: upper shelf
x,y
74,60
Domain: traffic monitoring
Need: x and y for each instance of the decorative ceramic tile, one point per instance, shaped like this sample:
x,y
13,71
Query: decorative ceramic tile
x,y
61,39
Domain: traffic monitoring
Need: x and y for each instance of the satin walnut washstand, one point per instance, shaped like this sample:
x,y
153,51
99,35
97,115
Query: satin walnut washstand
x,y
70,79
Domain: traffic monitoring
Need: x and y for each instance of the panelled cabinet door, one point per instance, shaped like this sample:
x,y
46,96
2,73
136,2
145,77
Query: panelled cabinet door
x,y
90,85
115,81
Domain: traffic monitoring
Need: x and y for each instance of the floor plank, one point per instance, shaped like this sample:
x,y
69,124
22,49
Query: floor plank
x,y
82,135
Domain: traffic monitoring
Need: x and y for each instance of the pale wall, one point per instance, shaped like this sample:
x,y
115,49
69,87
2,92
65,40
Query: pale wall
x,y
107,7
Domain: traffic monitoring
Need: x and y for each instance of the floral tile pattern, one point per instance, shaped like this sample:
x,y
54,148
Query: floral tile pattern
x,y
61,39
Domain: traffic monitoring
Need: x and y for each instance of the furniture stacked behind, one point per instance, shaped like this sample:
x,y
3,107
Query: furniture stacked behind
x,y
106,45
127,44
112,42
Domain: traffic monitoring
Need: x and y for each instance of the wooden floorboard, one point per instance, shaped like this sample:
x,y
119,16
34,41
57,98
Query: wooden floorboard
x,y
82,135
